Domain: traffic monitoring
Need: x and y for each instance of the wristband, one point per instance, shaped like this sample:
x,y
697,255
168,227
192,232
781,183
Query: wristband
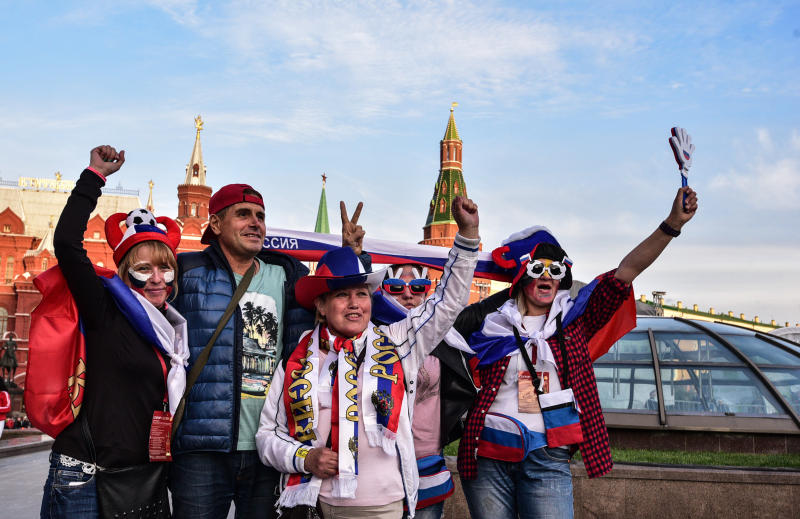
x,y
302,452
669,231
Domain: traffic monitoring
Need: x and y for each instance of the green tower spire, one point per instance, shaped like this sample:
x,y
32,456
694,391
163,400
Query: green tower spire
x,y
451,132
322,225
451,179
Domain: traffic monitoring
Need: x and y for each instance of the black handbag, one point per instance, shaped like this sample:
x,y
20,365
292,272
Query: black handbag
x,y
138,491
301,512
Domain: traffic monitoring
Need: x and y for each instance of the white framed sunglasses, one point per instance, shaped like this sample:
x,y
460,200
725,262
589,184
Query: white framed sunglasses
x,y
536,269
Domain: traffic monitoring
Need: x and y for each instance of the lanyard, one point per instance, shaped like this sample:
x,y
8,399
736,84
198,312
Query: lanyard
x,y
164,373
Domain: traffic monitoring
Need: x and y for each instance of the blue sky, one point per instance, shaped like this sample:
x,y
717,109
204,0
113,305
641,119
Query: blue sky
x,y
564,109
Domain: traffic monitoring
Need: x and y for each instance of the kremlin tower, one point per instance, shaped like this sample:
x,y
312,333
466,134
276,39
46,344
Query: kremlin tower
x,y
193,197
440,227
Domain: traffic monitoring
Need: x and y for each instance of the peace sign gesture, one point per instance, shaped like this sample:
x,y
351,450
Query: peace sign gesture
x,y
352,233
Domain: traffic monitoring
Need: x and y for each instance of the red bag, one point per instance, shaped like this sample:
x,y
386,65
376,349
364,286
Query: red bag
x,y
56,373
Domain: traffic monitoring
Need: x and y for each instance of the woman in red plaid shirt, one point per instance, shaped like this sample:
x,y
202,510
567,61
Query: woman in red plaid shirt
x,y
525,423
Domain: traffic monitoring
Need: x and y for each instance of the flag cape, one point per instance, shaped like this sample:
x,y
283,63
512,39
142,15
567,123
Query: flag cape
x,y
56,374
490,349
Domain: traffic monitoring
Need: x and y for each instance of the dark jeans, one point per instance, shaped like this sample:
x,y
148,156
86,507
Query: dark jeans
x,y
203,484
69,492
429,512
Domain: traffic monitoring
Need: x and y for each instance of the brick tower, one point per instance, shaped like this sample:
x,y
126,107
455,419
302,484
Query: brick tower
x,y
193,197
440,227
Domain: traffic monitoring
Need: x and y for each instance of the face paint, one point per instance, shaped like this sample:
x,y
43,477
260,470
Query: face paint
x,y
140,273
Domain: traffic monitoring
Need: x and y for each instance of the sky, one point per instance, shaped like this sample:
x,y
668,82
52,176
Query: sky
x,y
564,109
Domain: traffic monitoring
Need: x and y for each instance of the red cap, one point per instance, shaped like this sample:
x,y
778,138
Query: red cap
x,y
226,197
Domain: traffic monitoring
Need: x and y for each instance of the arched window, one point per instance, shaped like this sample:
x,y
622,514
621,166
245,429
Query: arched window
x,y
441,205
455,187
9,269
44,263
194,209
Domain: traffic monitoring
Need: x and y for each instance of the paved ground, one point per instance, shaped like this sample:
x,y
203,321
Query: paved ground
x,y
21,481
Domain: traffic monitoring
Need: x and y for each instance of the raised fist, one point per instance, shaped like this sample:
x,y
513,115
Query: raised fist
x,y
465,213
105,160
682,148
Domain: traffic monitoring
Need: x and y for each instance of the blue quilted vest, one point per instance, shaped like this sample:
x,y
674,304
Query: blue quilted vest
x,y
205,287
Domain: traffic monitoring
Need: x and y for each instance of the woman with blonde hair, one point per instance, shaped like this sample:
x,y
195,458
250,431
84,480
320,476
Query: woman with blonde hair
x,y
135,358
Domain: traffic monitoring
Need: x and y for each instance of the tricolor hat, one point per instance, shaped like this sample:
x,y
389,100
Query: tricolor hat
x,y
516,251
338,268
141,226
226,196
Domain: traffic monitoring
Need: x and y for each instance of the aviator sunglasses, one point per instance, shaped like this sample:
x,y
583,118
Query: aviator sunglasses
x,y
556,269
396,286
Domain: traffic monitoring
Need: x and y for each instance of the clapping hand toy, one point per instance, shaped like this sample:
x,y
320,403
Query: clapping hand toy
x,y
683,149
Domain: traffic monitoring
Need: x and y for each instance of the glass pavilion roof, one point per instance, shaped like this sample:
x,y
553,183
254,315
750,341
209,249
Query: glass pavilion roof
x,y
695,375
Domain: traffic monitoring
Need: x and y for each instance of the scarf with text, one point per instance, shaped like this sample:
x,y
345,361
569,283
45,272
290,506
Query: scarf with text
x,y
313,380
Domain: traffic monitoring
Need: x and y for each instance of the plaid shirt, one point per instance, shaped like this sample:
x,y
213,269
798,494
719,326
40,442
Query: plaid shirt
x,y
607,297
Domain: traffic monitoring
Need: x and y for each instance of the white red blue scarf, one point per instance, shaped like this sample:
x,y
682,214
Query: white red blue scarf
x,y
167,332
309,383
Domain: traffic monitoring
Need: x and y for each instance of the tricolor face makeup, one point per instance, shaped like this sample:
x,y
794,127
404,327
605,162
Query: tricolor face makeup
x,y
150,274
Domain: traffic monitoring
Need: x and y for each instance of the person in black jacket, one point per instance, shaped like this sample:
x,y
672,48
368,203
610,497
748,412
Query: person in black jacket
x,y
129,378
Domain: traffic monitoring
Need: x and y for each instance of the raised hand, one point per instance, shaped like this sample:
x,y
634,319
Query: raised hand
x,y
465,213
683,208
352,233
322,462
683,149
105,160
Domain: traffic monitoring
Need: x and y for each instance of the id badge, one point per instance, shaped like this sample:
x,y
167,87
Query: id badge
x,y
160,431
527,400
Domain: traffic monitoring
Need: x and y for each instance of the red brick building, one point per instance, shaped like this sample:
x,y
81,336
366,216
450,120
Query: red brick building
x,y
29,208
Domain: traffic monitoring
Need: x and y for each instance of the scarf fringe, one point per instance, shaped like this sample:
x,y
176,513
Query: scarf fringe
x,y
383,438
344,487
305,494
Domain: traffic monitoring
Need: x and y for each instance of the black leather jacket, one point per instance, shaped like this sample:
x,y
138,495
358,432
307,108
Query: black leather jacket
x,y
457,387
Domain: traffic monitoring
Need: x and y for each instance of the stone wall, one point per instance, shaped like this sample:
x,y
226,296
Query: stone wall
x,y
673,492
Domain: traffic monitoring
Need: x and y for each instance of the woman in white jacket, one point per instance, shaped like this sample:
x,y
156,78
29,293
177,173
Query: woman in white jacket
x,y
339,424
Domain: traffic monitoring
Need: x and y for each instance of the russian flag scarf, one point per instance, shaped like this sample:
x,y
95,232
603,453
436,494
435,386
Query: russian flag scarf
x,y
495,339
314,378
166,331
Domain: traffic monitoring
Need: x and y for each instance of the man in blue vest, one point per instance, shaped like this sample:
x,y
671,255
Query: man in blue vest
x,y
215,461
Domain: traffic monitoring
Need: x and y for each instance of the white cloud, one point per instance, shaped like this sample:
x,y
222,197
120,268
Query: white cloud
x,y
795,140
764,139
770,179
362,60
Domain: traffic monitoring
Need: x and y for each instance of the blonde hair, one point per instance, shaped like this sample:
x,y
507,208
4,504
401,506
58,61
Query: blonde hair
x,y
318,317
160,254
519,298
